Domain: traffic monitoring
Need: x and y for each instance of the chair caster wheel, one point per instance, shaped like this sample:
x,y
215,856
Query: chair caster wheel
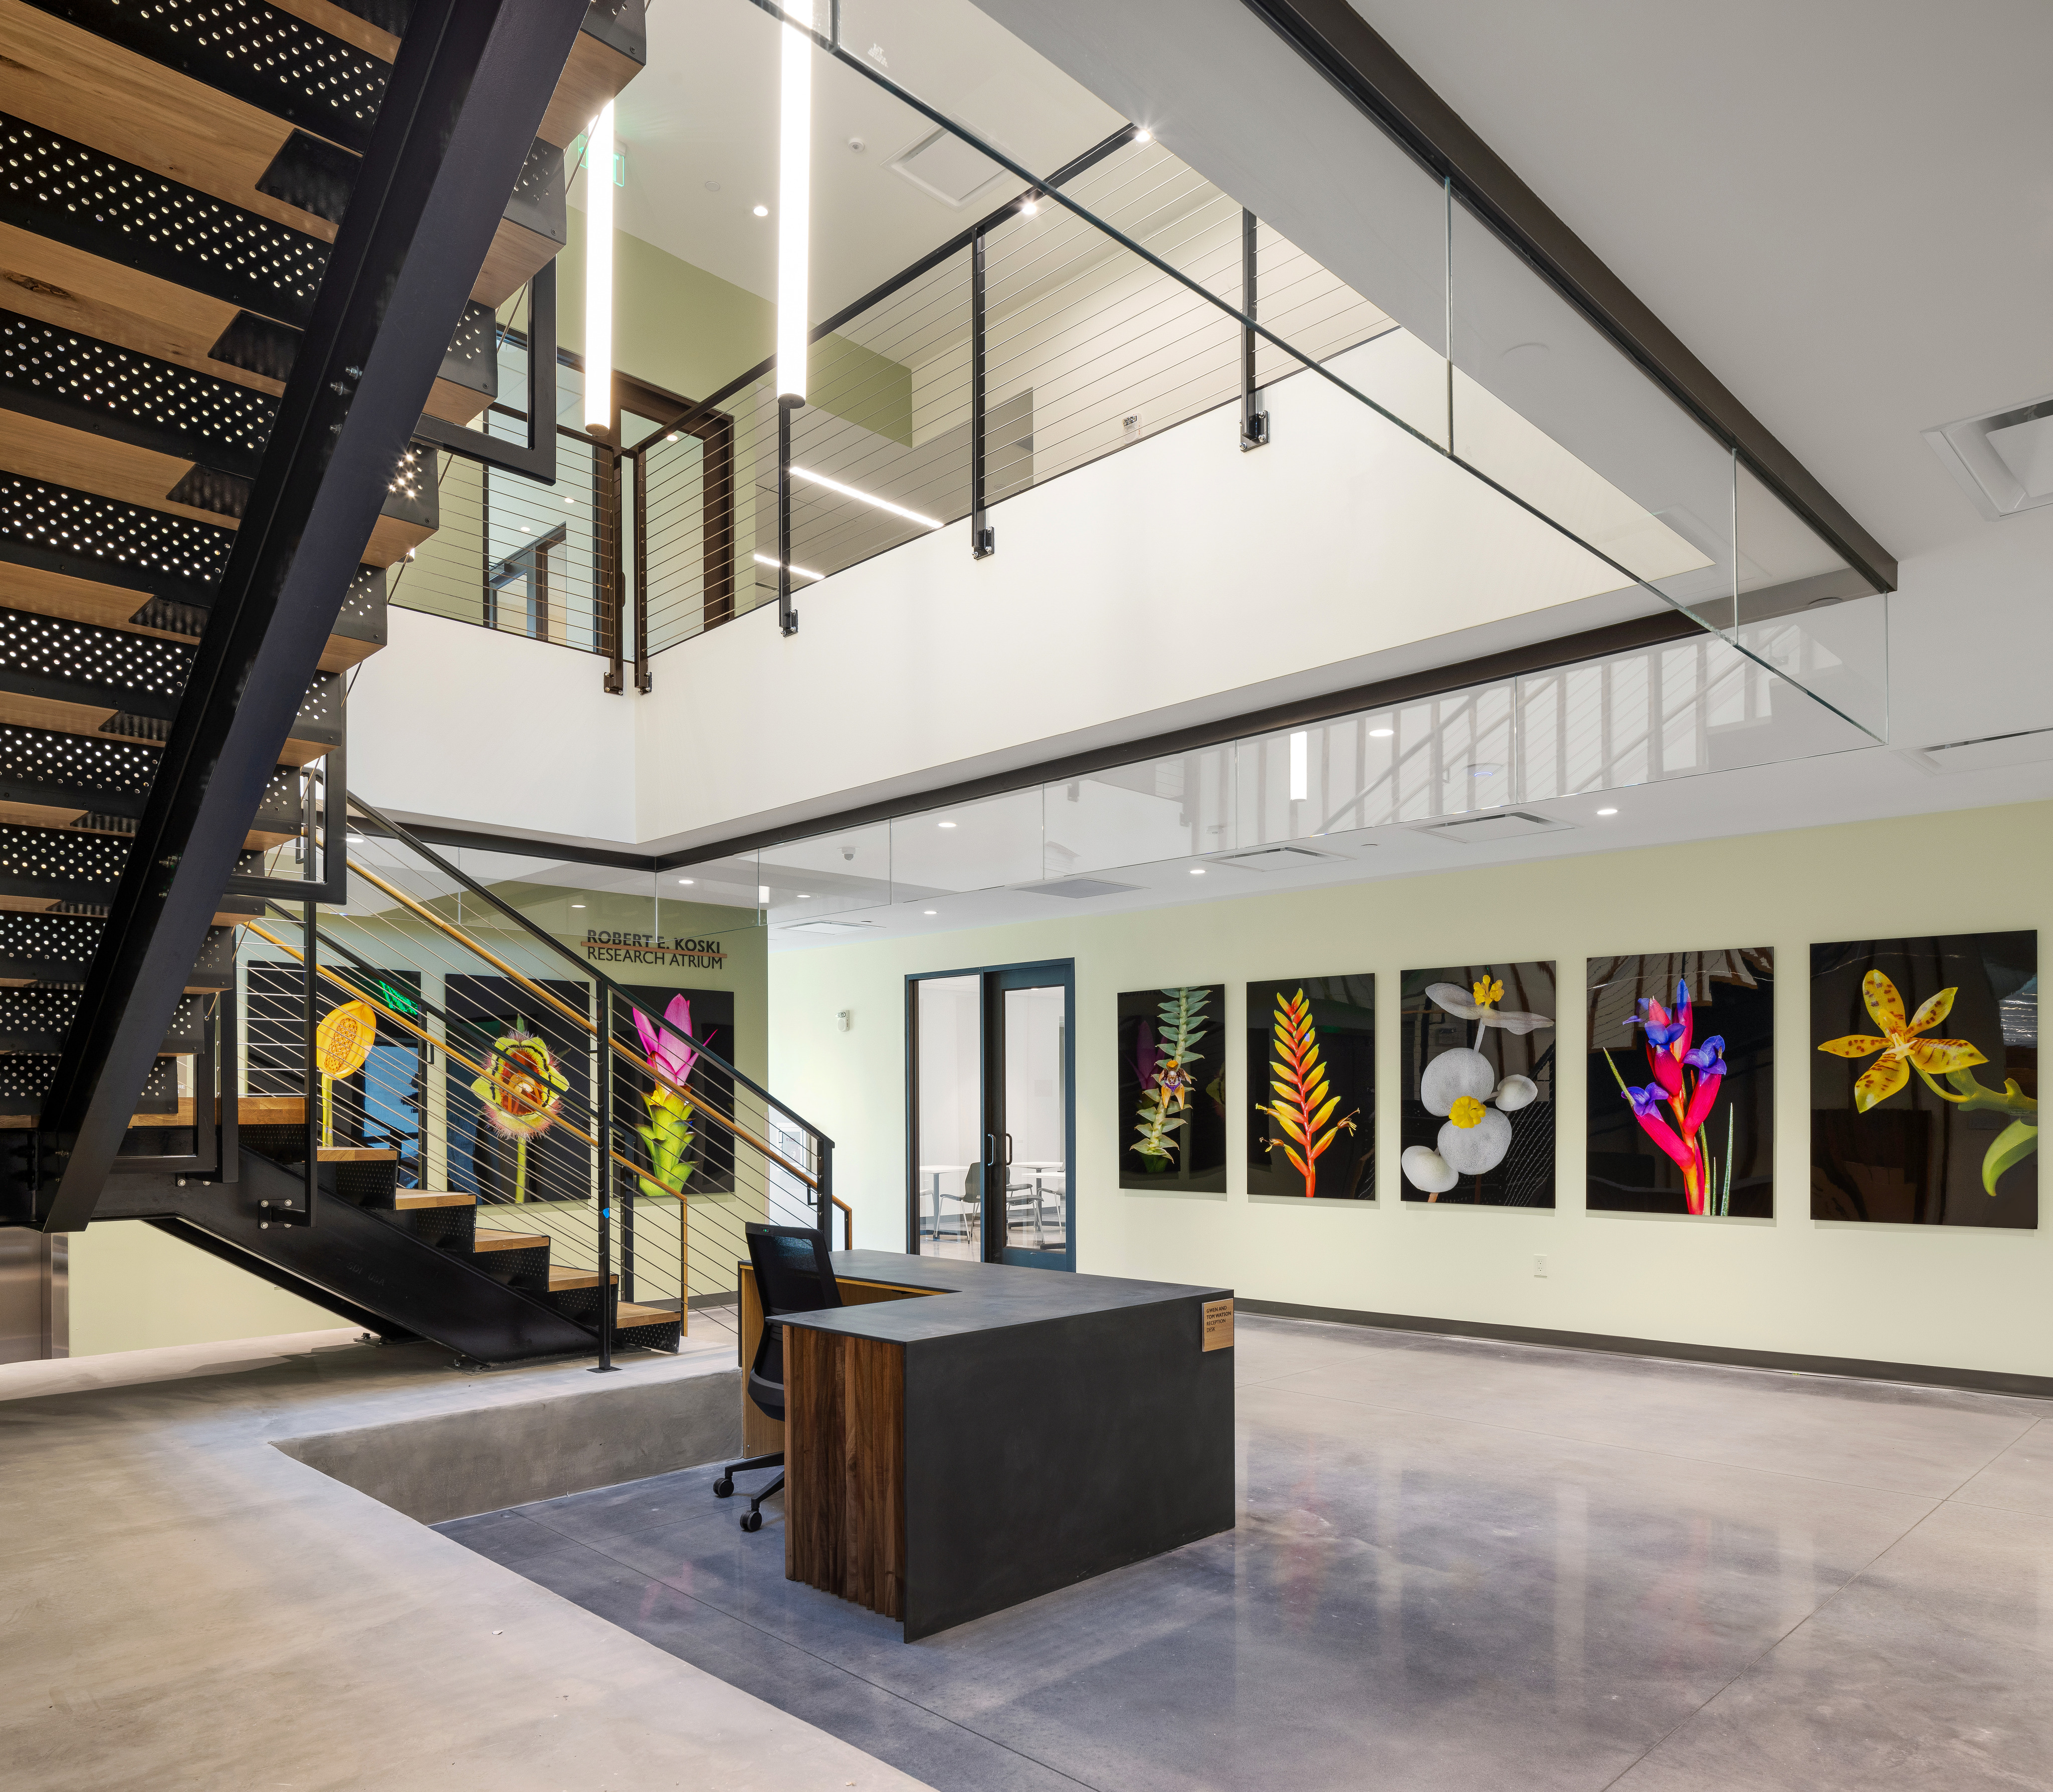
x,y
751,1521
722,1488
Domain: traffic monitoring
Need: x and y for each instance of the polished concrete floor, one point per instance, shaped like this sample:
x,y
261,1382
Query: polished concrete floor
x,y
1459,1566
185,1608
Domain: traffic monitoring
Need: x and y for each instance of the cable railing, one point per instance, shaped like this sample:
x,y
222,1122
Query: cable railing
x,y
1032,346
480,1063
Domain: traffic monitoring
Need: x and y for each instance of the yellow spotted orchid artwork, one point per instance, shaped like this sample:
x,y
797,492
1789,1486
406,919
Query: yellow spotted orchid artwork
x,y
1902,1044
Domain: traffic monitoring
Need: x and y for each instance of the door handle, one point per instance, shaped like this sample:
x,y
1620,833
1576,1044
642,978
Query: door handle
x,y
1008,1148
990,1151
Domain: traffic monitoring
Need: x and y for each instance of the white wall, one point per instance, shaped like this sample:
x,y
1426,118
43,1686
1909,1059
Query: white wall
x,y
1952,1297
469,725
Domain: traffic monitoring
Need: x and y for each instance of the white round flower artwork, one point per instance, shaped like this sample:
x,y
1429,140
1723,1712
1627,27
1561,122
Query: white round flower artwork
x,y
1464,1090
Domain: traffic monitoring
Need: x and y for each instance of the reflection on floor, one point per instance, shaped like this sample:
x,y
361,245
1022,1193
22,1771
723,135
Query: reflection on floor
x,y
1458,1565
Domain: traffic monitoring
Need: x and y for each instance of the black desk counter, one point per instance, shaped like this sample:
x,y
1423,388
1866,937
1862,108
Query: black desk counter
x,y
972,1435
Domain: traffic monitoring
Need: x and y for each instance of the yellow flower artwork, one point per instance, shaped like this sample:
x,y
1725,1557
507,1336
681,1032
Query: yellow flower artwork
x,y
1901,1047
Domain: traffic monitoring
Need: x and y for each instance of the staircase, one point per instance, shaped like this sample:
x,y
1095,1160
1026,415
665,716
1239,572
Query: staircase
x,y
180,181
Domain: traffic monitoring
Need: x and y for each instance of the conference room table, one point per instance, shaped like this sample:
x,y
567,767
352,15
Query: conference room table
x,y
960,1436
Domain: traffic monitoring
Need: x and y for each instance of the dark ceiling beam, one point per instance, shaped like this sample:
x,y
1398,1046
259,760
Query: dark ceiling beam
x,y
1338,41
461,111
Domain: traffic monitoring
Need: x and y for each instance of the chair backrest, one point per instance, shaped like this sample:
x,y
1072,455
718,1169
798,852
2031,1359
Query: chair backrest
x,y
792,1276
792,1272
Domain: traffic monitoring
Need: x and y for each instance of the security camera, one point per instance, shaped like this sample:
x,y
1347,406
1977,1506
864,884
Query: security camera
x,y
848,853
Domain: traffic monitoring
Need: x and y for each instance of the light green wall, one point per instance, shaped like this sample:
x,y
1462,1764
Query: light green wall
x,y
1950,1296
134,1287
690,332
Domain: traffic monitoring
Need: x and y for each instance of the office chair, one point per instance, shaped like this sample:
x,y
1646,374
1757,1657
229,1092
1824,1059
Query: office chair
x,y
792,1276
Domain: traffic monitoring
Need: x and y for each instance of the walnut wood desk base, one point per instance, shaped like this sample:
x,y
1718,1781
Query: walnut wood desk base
x,y
962,1437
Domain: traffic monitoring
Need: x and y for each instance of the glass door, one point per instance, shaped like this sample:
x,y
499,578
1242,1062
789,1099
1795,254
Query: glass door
x,y
991,1070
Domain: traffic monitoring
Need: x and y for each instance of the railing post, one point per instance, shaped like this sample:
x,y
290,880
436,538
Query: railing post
x,y
605,1191
787,619
1253,420
312,1062
605,480
825,1194
983,537
642,681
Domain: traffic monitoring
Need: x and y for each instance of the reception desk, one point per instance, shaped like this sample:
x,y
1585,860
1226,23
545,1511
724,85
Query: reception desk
x,y
961,1437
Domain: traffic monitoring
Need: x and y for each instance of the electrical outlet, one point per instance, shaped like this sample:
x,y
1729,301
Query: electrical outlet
x,y
1539,1265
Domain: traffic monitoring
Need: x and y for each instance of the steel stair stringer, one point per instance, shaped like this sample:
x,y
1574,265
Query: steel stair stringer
x,y
356,1262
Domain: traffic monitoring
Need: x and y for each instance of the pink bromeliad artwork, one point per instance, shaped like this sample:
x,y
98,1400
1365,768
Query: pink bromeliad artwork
x,y
1674,1108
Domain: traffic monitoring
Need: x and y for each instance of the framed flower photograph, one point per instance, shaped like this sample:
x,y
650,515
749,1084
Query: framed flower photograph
x,y
1924,1081
1311,1088
1172,1090
1681,1084
1478,1105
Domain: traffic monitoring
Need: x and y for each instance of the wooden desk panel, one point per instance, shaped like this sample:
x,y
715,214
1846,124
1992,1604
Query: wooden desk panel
x,y
762,1435
845,1468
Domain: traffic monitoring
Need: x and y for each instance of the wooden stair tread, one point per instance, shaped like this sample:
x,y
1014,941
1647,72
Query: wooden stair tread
x,y
562,1279
627,1314
512,1241
358,1154
405,1202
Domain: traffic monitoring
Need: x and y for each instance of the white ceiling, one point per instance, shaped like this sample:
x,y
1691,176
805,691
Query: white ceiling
x,y
706,110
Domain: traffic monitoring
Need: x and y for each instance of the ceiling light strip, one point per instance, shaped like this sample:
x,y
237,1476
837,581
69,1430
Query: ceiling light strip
x,y
812,478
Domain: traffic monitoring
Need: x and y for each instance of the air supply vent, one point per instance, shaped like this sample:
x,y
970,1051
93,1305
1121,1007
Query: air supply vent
x,y
1077,889
2003,461
1279,858
1503,824
1986,754
946,168
829,927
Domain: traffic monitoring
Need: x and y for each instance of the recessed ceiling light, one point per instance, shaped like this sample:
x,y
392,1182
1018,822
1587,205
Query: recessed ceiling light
x,y
1143,136
762,211
805,895
930,911
1606,811
1197,871
945,824
1030,209
1381,734
687,879
577,905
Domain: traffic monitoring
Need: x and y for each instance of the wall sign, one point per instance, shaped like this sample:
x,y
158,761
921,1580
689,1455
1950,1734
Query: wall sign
x,y
679,952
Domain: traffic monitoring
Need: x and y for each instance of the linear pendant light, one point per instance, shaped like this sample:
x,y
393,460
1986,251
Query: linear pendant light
x,y
795,158
599,272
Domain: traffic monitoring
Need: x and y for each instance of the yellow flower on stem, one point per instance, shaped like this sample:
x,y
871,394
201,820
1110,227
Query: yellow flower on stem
x,y
1487,991
1901,1049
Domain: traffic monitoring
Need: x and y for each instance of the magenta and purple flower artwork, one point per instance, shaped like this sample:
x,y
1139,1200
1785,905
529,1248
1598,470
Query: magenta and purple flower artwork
x,y
1681,1091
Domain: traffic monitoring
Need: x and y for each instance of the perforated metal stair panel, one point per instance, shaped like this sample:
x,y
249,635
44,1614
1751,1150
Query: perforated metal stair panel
x,y
36,1019
60,864
55,771
25,1079
265,58
415,494
47,948
85,536
73,194
89,384
77,662
319,721
362,617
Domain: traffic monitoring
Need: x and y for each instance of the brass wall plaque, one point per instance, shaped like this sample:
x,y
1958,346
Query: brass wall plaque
x,y
1218,1325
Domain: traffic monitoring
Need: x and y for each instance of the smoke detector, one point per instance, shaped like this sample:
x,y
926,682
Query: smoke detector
x,y
2003,461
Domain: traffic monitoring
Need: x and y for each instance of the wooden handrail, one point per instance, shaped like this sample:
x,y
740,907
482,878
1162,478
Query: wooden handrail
x,y
696,1100
443,1044
848,1219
